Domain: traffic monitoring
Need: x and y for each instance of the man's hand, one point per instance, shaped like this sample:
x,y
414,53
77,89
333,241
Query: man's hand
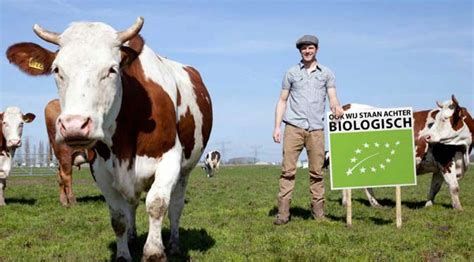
x,y
277,135
337,110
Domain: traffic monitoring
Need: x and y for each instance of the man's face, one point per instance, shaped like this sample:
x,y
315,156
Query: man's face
x,y
308,52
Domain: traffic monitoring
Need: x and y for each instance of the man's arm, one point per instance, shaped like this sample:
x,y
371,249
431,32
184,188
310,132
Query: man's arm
x,y
279,111
334,103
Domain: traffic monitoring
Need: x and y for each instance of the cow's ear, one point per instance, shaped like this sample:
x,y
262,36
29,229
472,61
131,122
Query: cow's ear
x,y
128,56
29,117
31,58
132,50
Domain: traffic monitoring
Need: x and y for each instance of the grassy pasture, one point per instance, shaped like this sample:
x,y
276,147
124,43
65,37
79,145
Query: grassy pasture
x,y
229,218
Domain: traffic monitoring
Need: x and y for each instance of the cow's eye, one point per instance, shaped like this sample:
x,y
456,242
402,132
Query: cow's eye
x,y
56,72
430,125
451,106
111,72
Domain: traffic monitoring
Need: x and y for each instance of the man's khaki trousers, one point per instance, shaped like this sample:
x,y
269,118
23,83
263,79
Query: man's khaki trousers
x,y
294,140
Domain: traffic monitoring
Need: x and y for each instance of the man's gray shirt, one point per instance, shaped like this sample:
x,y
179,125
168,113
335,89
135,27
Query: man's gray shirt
x,y
307,98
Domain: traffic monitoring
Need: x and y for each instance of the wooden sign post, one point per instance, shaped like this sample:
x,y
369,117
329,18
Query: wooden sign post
x,y
398,201
348,207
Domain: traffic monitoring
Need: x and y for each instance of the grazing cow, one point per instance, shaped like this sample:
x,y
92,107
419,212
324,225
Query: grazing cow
x,y
146,118
67,157
212,162
11,130
442,150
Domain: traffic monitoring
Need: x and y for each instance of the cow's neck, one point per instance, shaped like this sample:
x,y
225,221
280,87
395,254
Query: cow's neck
x,y
419,122
146,123
470,124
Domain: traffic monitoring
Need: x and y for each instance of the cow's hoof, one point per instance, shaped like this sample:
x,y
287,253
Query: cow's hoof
x,y
174,249
72,201
123,259
429,203
132,236
153,253
154,258
379,206
458,208
63,202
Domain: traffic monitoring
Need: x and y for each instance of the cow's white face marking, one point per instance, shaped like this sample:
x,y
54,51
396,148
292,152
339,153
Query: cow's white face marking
x,y
87,75
441,130
12,126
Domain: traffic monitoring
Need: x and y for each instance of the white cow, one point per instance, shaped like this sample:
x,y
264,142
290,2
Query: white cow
x,y
11,130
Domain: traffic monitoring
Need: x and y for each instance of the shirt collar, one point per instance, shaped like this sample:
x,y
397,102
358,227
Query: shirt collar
x,y
317,66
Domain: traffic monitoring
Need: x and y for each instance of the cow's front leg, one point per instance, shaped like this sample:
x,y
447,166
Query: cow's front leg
x,y
132,229
452,181
369,192
175,211
66,196
462,162
119,208
157,202
436,183
3,185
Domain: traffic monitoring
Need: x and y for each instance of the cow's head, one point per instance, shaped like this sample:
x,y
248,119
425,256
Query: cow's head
x,y
87,70
12,125
449,126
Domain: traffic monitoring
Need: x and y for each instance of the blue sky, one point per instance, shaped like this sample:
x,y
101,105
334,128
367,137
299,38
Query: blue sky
x,y
383,53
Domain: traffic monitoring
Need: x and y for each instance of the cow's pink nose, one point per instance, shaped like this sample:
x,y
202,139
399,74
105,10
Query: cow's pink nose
x,y
74,127
427,138
14,143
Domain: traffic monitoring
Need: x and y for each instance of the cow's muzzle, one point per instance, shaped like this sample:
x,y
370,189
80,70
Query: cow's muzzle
x,y
76,129
14,143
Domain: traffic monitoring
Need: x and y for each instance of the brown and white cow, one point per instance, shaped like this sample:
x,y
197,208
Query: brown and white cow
x,y
11,129
67,157
212,162
147,119
447,157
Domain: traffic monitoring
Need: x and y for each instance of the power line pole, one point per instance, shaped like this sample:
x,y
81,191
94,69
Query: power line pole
x,y
223,149
255,151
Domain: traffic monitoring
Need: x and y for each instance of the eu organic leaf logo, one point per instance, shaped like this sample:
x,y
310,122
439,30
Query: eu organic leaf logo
x,y
372,158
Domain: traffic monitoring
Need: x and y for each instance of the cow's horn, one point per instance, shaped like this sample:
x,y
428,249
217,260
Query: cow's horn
x,y
132,31
455,101
46,35
439,104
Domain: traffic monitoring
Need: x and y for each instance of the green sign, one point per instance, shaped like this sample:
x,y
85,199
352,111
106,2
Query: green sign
x,y
372,148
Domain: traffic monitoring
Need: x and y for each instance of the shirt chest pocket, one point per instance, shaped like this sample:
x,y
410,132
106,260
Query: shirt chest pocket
x,y
297,82
318,81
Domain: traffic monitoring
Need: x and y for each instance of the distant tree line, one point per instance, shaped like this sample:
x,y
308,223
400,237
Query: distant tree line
x,y
36,155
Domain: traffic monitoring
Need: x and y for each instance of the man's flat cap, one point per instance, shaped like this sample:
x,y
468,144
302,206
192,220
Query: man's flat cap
x,y
307,40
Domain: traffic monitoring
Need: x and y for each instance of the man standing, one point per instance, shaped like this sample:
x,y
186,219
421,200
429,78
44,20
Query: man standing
x,y
301,107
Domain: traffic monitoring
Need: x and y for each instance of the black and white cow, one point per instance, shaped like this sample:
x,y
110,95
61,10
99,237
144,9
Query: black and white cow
x,y
212,162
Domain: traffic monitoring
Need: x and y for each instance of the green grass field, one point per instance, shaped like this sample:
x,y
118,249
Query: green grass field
x,y
229,218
